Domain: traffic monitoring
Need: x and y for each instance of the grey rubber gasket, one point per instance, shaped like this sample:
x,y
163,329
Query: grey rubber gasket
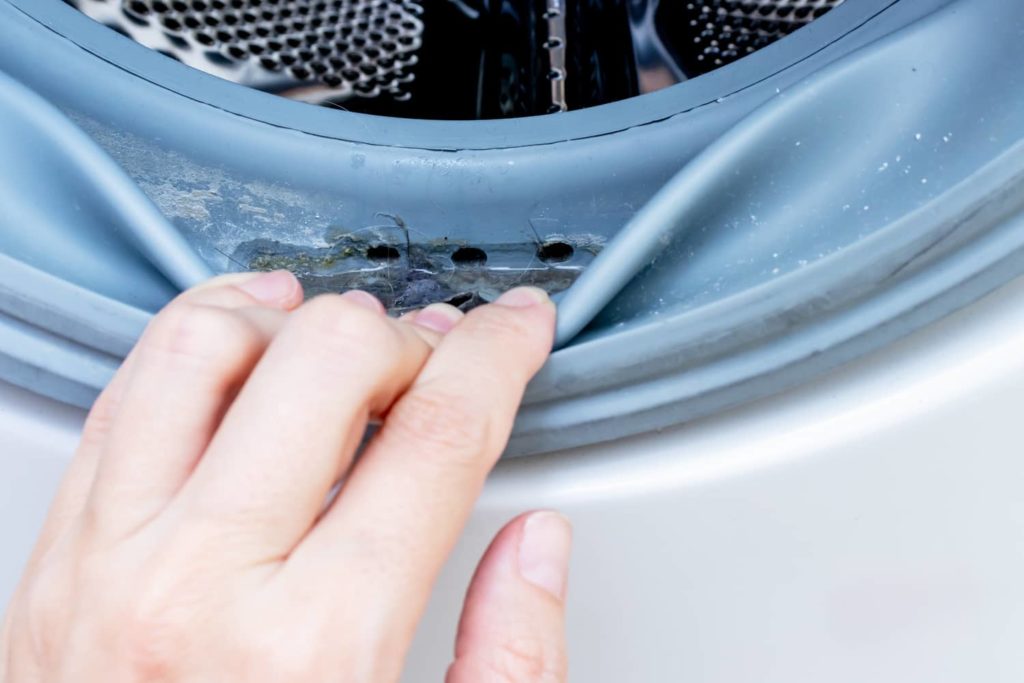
x,y
201,147
912,245
52,163
772,337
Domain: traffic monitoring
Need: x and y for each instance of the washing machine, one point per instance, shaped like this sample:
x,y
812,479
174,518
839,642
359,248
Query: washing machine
x,y
786,239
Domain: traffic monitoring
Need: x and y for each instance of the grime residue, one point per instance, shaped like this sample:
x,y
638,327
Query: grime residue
x,y
407,275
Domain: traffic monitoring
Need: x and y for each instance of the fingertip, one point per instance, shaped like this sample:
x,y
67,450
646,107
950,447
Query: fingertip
x,y
513,620
537,307
523,297
277,288
545,544
363,300
531,551
441,318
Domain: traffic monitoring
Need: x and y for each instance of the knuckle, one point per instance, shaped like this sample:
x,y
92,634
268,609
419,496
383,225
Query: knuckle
x,y
152,642
128,617
283,652
442,423
529,660
276,663
526,659
152,621
46,603
187,333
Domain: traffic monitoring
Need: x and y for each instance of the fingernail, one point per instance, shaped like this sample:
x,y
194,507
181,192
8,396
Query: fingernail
x,y
439,317
544,551
364,299
522,297
271,288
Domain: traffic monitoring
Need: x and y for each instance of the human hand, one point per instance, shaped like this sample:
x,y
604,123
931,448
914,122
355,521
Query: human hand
x,y
194,537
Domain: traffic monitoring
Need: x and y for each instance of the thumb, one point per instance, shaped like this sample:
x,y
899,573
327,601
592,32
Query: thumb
x,y
513,623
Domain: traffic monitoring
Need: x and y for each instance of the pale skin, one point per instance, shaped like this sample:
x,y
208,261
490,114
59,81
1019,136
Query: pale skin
x,y
195,539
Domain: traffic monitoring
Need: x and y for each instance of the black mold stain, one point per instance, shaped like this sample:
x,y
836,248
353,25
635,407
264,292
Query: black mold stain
x,y
406,276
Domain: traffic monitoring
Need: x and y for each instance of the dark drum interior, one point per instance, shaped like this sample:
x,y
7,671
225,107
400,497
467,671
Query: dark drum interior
x,y
457,59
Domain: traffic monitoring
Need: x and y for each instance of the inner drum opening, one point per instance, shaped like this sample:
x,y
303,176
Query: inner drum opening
x,y
456,59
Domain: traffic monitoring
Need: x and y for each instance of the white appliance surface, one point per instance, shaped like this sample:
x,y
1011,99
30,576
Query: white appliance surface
x,y
866,527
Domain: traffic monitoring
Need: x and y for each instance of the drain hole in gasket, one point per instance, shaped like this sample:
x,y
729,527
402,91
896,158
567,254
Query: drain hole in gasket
x,y
382,252
555,252
469,256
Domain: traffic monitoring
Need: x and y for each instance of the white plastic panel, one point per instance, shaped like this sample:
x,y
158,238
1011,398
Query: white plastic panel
x,y
869,527
37,439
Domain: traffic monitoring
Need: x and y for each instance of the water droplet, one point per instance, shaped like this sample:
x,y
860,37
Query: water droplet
x,y
885,165
917,136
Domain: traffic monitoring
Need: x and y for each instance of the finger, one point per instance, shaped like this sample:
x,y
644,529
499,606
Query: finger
x,y
187,366
440,318
73,490
430,324
407,499
512,628
292,431
280,291
433,321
